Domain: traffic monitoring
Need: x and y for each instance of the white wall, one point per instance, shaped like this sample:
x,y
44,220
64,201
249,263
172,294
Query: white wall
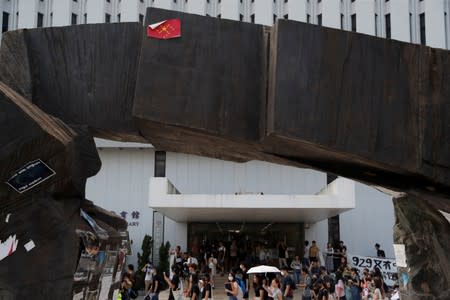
x,y
365,23
318,232
175,233
62,13
122,185
370,222
264,12
331,14
400,20
27,14
230,9
192,174
435,23
129,11
297,10
196,7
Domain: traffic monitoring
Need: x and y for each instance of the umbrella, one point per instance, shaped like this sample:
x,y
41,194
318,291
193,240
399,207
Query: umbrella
x,y
263,269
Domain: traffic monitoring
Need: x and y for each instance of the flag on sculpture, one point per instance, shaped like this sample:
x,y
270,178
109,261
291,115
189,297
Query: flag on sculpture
x,y
167,29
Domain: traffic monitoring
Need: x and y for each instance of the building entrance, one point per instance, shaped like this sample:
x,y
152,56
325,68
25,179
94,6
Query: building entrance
x,y
252,243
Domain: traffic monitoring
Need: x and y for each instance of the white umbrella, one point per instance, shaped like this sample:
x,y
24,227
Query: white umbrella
x,y
263,269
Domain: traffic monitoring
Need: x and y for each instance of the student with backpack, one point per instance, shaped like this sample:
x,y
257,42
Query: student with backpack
x,y
287,284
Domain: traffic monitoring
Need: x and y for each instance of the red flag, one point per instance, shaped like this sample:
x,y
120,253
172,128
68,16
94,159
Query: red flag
x,y
167,29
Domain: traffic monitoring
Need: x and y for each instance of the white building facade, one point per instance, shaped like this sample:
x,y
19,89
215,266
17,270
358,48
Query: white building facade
x,y
126,182
415,21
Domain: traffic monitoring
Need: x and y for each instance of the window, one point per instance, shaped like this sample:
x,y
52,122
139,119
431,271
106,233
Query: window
x,y
387,19
422,28
74,19
5,22
142,1
107,18
219,16
73,0
160,164
376,24
118,18
108,1
319,19
318,1
51,19
354,22
286,16
174,1
274,18
252,18
141,18
285,1
207,1
241,17
85,18
308,18
40,20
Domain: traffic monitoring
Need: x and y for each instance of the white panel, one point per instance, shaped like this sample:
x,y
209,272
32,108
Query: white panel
x,y
264,12
130,11
62,14
365,17
175,233
165,4
229,9
435,23
297,10
27,14
317,232
331,13
400,20
196,7
370,222
192,174
122,186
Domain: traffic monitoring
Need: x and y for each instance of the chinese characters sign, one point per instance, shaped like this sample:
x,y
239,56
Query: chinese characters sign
x,y
387,266
131,217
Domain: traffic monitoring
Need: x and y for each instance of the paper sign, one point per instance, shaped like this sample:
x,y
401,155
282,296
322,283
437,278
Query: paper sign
x,y
8,247
30,245
387,266
30,175
400,255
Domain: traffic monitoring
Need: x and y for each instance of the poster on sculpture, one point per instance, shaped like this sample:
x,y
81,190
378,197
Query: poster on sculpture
x,y
30,175
387,266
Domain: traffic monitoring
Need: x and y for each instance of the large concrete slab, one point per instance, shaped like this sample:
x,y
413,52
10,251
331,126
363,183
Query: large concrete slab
x,y
372,109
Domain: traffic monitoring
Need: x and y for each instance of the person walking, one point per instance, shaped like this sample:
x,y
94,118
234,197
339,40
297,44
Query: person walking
x,y
296,265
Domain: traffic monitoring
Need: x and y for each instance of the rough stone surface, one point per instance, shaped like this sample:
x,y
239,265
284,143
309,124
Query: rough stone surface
x,y
426,235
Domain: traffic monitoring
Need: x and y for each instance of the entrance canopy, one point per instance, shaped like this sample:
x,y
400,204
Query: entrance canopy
x,y
337,197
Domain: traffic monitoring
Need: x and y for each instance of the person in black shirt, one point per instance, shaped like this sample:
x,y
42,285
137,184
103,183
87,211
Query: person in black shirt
x,y
156,285
174,283
380,253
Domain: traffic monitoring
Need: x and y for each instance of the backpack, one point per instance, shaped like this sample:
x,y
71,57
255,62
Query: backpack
x,y
242,287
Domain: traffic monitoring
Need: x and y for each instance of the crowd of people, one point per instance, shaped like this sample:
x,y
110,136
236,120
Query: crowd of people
x,y
320,278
